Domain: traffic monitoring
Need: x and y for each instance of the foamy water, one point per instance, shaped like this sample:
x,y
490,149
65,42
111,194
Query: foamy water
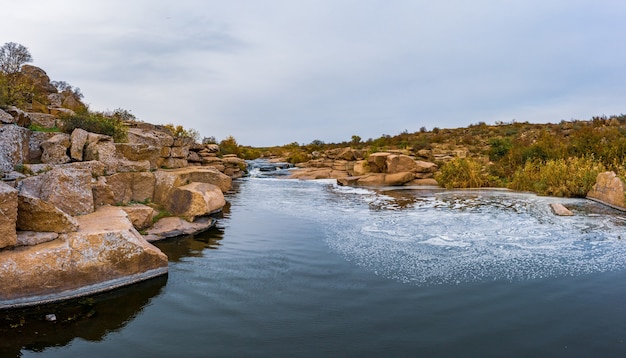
x,y
427,237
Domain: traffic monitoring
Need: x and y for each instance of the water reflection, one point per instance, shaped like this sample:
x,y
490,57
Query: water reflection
x,y
178,248
90,318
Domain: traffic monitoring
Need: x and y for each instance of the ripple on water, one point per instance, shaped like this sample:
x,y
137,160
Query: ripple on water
x,y
441,237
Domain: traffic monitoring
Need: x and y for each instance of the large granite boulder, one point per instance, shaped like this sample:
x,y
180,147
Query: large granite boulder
x,y
39,78
14,146
8,215
79,141
139,152
399,163
195,199
127,187
174,226
101,147
378,162
21,118
6,118
168,180
360,168
106,253
55,149
34,144
42,120
140,215
608,189
67,188
35,214
150,137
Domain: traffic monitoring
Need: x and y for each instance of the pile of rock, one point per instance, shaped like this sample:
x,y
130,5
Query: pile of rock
x,y
207,155
350,167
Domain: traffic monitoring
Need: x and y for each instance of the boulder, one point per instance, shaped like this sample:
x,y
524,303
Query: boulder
x,y
8,215
125,166
35,214
55,149
34,145
399,163
6,118
608,189
21,118
140,215
172,163
560,210
55,99
71,102
127,187
150,137
14,146
139,152
102,193
183,142
101,147
67,188
360,167
106,253
425,167
378,179
179,152
195,199
212,148
39,78
31,238
167,180
174,226
194,157
79,141
345,154
42,120
424,182
378,162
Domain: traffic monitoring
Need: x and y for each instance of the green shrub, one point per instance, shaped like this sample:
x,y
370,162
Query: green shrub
x,y
38,128
97,122
571,177
462,173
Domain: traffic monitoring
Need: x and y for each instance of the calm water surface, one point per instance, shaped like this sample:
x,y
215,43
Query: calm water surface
x,y
310,269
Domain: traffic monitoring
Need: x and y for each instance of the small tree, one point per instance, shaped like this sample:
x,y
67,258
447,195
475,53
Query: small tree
x,y
14,85
356,139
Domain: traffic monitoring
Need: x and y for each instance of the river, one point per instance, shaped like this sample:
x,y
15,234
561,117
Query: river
x,y
312,269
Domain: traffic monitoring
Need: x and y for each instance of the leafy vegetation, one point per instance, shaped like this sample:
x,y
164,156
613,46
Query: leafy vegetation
x,y
107,123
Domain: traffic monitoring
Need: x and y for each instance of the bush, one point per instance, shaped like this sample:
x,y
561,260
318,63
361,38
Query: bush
x,y
571,177
462,173
97,122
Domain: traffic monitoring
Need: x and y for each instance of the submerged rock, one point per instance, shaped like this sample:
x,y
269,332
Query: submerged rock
x,y
560,210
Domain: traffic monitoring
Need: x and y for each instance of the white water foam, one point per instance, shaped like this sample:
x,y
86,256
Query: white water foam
x,y
441,237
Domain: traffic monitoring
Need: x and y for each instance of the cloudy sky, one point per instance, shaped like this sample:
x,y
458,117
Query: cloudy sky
x,y
271,72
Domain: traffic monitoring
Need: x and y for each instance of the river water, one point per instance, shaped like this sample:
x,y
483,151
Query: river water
x,y
312,269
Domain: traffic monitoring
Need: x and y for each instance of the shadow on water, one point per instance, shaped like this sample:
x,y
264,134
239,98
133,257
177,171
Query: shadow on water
x,y
90,318
94,317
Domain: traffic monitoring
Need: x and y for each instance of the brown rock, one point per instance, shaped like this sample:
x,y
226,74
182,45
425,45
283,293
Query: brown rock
x,y
31,238
6,118
360,167
34,144
168,180
179,152
43,120
139,152
195,199
79,141
175,226
68,189
140,215
194,157
560,210
106,253
39,78
380,179
399,163
102,193
8,215
150,137
21,117
35,214
101,147
172,163
124,166
608,189
423,181
127,187
55,149
14,147
378,162
425,167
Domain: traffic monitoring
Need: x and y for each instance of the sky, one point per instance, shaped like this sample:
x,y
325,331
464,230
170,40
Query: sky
x,y
273,72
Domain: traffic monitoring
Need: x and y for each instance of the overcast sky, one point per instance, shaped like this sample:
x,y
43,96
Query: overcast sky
x,y
273,72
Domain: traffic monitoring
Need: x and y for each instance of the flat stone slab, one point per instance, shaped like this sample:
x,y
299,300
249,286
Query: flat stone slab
x,y
174,226
560,210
